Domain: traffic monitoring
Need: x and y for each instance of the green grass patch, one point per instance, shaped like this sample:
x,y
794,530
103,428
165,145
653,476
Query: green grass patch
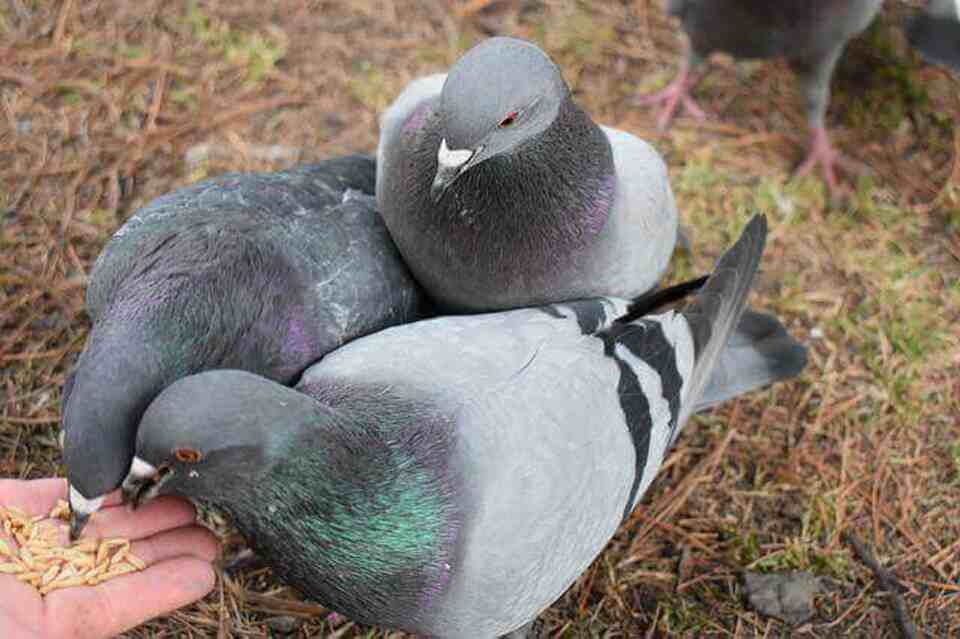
x,y
257,53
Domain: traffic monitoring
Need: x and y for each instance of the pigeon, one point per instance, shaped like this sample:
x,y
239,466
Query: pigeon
x,y
259,272
452,477
810,34
935,33
501,192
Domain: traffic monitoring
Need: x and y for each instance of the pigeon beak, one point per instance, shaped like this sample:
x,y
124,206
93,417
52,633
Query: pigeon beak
x,y
77,523
81,509
147,489
143,492
450,165
129,490
141,472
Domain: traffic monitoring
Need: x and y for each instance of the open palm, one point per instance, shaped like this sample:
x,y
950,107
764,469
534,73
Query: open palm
x,y
178,555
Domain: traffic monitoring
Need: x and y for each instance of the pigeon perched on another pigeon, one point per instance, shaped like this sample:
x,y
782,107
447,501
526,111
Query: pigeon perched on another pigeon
x,y
501,192
935,33
810,34
453,477
260,272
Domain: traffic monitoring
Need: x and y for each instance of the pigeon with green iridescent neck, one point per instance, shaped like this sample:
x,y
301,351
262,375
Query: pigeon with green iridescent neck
x,y
500,190
809,34
453,477
260,272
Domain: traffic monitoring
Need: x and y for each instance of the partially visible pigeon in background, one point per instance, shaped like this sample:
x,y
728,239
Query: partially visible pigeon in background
x,y
453,477
501,192
935,33
810,34
260,272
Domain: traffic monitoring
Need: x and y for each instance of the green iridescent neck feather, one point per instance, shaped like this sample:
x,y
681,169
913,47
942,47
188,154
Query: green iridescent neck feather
x,y
367,510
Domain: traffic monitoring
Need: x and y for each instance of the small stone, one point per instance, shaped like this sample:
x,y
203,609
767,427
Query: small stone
x,y
787,595
284,625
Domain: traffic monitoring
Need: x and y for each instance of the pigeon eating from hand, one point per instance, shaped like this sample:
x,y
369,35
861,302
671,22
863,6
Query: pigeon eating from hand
x,y
809,34
453,477
500,191
259,272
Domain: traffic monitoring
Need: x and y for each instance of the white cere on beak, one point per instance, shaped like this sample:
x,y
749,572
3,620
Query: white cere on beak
x,y
83,506
141,469
452,158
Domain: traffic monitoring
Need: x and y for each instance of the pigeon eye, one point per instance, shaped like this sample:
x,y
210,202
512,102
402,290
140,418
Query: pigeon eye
x,y
509,120
187,455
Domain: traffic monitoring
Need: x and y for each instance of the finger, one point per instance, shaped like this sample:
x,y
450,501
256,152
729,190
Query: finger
x,y
34,497
158,515
112,499
39,496
189,541
122,603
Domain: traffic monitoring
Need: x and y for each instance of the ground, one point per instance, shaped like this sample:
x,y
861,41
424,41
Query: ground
x,y
108,104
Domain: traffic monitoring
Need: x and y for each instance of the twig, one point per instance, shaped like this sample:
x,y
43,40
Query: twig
x,y
62,22
652,630
279,605
678,496
887,582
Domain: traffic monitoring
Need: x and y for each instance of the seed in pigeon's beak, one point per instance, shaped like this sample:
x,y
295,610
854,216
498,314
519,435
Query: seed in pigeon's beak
x,y
146,488
140,495
450,165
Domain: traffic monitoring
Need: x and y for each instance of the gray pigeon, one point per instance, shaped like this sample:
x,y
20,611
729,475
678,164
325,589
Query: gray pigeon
x,y
935,33
810,34
453,477
260,272
501,192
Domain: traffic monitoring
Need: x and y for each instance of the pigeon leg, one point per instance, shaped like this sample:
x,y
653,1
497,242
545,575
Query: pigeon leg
x,y
822,153
814,77
677,93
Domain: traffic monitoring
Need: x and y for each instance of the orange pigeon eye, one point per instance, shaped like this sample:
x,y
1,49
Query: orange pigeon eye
x,y
509,120
187,455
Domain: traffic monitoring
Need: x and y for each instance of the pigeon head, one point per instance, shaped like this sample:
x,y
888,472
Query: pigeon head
x,y
500,94
354,511
112,383
162,326
208,433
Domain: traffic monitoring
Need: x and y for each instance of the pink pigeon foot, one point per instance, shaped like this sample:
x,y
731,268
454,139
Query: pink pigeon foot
x,y
675,94
823,153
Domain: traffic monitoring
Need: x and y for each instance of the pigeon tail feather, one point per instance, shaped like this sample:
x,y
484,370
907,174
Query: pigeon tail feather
x,y
715,312
758,353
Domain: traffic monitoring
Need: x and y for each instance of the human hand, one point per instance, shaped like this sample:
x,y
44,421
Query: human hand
x,y
177,552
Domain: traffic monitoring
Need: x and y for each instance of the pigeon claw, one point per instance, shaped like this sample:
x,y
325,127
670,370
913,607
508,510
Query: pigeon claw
x,y
676,94
823,154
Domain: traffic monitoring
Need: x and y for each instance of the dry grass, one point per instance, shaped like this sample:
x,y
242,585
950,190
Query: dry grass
x,y
105,105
